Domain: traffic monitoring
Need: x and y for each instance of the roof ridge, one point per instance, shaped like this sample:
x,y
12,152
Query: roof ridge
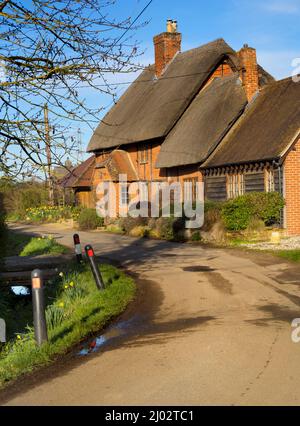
x,y
205,45
277,83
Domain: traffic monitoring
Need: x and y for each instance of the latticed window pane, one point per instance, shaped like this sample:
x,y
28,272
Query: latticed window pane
x,y
190,189
235,185
143,154
270,181
143,191
124,195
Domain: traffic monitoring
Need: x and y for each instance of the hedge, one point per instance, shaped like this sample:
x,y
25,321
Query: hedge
x,y
238,213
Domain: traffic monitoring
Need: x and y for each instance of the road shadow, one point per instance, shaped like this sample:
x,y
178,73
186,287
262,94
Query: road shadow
x,y
277,314
140,328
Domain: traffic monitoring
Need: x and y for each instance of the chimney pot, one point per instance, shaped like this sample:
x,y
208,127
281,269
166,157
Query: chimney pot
x,y
174,26
169,25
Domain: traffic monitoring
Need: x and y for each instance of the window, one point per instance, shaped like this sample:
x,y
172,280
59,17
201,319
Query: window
x,y
190,189
235,185
143,154
269,181
124,196
143,191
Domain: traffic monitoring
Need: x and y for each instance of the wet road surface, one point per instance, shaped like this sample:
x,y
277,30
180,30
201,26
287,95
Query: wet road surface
x,y
210,326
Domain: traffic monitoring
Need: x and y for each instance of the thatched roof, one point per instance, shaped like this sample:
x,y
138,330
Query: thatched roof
x,y
204,123
264,77
150,107
80,176
119,163
269,126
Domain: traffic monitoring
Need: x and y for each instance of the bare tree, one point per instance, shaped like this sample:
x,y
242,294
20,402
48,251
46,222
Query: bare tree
x,y
49,51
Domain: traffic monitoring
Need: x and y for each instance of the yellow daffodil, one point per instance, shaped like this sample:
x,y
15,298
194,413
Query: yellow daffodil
x,y
71,284
61,304
19,337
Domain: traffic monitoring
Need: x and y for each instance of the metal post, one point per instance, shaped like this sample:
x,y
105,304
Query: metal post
x,y
94,267
38,305
77,245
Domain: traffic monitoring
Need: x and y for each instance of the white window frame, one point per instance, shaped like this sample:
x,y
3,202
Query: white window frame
x,y
269,180
124,196
235,185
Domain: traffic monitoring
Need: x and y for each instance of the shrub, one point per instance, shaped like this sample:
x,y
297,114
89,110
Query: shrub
x,y
18,197
256,225
164,228
31,197
88,219
139,231
196,236
212,214
114,228
238,213
127,224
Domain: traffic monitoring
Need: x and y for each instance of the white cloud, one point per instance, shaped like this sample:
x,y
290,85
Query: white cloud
x,y
279,6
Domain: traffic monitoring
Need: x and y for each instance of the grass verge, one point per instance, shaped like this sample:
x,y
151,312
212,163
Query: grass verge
x,y
44,245
75,309
292,255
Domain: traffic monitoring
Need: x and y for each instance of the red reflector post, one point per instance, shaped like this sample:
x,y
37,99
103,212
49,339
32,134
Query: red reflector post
x,y
90,253
94,267
76,239
77,247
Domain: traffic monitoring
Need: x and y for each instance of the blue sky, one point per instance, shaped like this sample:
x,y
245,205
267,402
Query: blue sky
x,y
271,26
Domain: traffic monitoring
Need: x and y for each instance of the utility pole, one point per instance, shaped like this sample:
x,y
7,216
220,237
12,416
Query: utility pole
x,y
79,143
48,152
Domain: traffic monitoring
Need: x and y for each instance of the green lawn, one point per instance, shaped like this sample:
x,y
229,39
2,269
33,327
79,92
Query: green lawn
x,y
17,244
43,245
75,309
293,255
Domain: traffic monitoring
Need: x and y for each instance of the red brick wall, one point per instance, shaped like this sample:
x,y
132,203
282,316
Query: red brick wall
x,y
249,73
166,45
223,70
292,190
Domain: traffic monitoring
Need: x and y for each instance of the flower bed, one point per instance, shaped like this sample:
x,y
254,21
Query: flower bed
x,y
52,213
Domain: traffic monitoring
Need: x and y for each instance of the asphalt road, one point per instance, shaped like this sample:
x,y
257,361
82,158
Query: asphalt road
x,y
210,326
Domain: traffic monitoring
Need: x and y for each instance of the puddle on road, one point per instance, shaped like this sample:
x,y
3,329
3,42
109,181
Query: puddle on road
x,y
198,269
20,290
121,329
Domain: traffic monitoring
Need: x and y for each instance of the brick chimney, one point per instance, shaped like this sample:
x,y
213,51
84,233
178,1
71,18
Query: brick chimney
x,y
166,45
249,72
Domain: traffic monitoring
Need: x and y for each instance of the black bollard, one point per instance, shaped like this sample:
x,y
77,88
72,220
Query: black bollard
x,y
94,267
38,305
77,246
